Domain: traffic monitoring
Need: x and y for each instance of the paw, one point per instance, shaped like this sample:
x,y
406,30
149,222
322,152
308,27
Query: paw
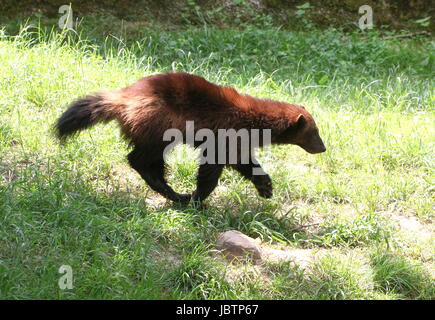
x,y
265,192
183,198
264,186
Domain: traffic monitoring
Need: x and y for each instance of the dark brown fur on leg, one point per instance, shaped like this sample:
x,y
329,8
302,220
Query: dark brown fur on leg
x,y
153,171
207,180
262,182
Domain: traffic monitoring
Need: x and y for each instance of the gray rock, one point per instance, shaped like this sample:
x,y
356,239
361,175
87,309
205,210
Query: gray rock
x,y
238,245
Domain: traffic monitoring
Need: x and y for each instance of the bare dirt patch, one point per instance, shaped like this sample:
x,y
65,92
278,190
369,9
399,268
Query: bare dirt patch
x,y
300,257
413,226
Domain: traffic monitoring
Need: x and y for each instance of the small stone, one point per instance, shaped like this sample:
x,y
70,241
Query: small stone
x,y
238,245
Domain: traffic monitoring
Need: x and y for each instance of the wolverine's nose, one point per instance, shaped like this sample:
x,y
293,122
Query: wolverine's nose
x,y
322,149
318,149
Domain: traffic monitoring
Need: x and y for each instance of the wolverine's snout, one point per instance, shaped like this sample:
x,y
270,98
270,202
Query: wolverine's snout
x,y
316,149
314,145
320,149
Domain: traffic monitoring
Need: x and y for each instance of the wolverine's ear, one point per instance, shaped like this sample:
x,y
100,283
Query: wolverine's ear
x,y
301,121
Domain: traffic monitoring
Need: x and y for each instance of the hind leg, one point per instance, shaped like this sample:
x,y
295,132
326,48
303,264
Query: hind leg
x,y
152,170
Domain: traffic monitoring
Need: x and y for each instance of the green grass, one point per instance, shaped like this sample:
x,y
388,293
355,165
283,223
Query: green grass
x,y
81,205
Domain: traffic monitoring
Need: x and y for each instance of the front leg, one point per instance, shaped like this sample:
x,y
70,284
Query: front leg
x,y
255,173
207,180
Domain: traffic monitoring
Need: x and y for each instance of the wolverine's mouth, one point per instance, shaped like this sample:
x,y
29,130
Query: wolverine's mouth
x,y
320,150
316,150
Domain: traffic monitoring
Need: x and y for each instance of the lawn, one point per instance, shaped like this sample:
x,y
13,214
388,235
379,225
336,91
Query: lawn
x,y
361,213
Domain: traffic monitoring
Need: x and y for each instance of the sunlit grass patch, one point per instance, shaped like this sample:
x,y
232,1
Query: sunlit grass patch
x,y
395,274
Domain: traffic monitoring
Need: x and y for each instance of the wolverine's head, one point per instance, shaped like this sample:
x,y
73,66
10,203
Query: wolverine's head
x,y
302,131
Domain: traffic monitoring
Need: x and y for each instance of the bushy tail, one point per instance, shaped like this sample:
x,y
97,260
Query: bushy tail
x,y
83,114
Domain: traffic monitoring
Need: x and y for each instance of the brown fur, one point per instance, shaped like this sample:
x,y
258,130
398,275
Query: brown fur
x,y
147,108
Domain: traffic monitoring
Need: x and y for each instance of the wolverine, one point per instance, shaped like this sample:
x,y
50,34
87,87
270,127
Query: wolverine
x,y
149,107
